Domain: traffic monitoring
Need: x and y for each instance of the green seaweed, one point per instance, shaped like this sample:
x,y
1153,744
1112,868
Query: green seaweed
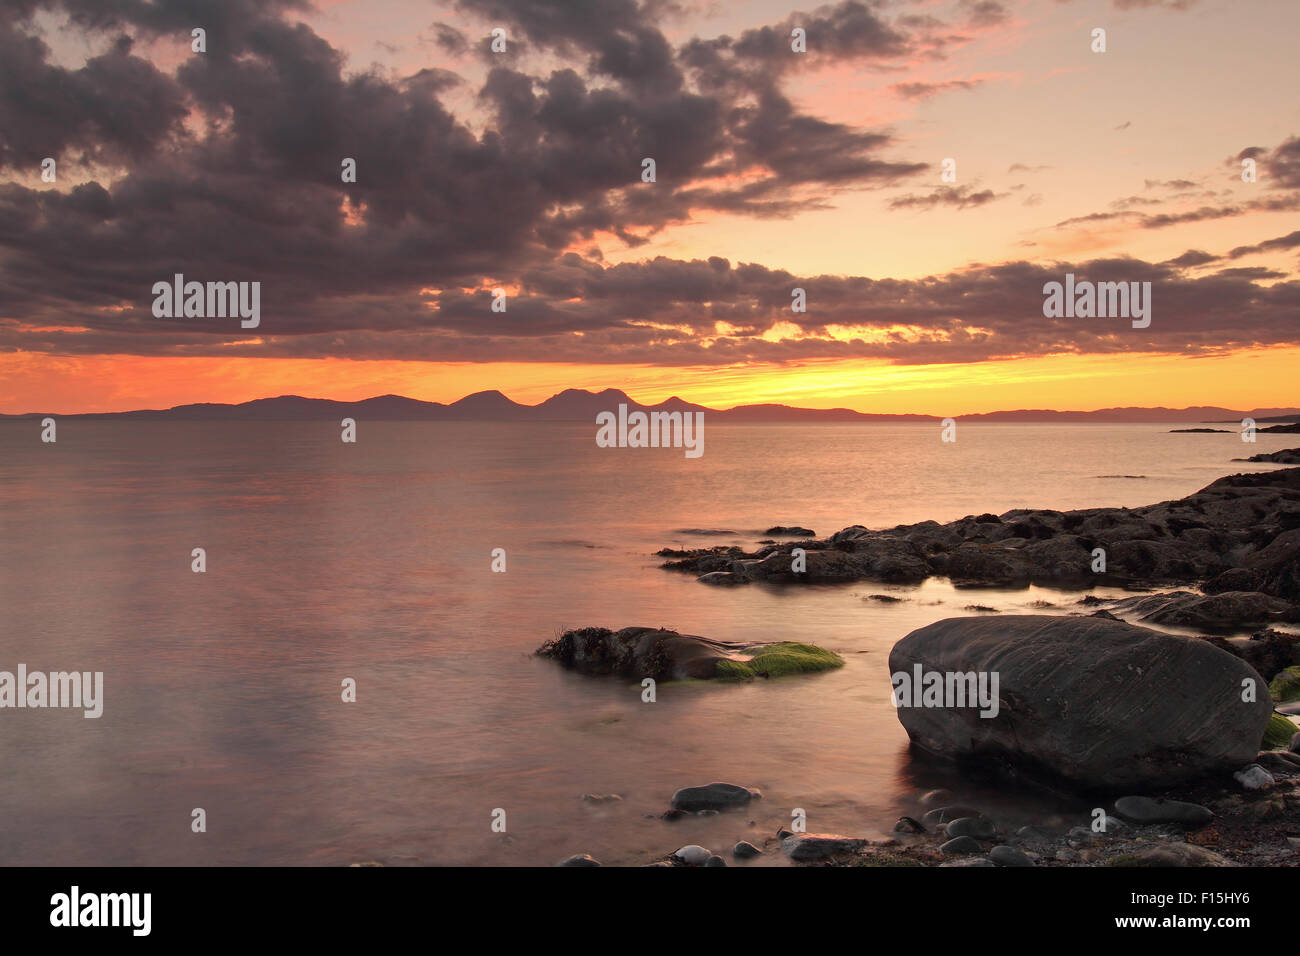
x,y
1286,685
779,660
1278,733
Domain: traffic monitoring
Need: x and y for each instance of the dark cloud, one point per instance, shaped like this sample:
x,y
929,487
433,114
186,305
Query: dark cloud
x,y
400,264
957,197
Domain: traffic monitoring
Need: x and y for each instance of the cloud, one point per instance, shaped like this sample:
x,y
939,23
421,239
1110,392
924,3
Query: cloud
x,y
958,197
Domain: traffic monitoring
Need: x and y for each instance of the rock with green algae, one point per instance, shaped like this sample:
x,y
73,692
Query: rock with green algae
x,y
1278,733
1286,685
661,654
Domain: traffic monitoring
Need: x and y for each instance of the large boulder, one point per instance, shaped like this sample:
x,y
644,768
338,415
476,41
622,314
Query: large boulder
x,y
1101,704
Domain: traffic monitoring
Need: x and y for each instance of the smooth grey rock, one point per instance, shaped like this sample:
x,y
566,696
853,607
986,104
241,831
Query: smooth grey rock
x,y
948,814
937,798
1254,777
1147,810
713,796
745,851
715,860
1009,856
1103,704
977,827
581,859
961,844
1033,835
693,855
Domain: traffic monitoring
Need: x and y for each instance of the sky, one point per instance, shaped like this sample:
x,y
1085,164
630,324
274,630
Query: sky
x,y
515,176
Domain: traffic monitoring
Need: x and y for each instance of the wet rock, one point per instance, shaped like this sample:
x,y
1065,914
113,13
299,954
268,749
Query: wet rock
x,y
809,847
1009,856
601,798
693,855
715,860
948,814
1033,836
961,844
908,825
581,859
791,531
745,851
977,827
713,796
1087,700
1146,810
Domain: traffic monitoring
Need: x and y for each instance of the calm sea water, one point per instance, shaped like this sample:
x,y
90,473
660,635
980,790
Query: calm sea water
x,y
372,561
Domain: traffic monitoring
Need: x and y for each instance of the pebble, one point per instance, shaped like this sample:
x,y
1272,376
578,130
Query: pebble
x,y
1009,856
1148,810
948,814
977,827
715,860
693,855
961,844
908,825
745,851
1254,777
581,859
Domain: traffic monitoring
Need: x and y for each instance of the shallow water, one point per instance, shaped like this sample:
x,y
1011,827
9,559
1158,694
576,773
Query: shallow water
x,y
373,561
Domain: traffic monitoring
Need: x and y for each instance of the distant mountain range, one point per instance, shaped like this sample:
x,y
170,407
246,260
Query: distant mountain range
x,y
579,405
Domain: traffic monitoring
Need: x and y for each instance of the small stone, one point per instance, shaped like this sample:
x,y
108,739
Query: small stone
x,y
936,798
715,860
908,825
948,814
1143,810
693,855
1033,835
961,844
1009,856
977,827
706,813
581,859
804,847
601,798
1254,777
671,815
713,796
783,833
745,851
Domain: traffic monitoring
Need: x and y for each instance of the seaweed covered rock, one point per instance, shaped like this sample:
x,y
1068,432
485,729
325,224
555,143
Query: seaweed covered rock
x,y
640,652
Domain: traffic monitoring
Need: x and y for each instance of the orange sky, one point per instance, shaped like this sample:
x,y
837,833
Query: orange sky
x,y
1076,148
1245,380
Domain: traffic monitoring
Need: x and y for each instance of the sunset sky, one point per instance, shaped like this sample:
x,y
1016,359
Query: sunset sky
x,y
775,170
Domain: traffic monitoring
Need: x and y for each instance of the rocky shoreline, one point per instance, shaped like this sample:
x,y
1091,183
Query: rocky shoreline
x,y
1243,530
1188,768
